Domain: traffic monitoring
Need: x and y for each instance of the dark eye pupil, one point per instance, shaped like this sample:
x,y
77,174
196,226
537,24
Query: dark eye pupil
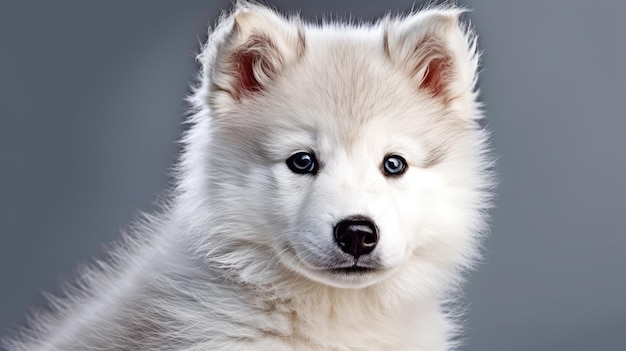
x,y
302,163
394,165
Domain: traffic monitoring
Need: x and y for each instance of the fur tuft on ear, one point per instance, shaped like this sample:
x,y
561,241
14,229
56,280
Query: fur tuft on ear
x,y
259,44
433,47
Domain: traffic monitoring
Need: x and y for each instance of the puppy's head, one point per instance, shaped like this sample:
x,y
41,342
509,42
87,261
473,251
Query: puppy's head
x,y
346,153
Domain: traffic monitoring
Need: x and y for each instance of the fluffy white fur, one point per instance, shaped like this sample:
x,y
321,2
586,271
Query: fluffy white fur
x,y
239,258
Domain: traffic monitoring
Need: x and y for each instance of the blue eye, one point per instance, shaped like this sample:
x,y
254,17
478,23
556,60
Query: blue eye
x,y
394,165
302,163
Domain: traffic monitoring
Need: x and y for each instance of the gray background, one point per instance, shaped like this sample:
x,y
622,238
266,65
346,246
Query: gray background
x,y
91,105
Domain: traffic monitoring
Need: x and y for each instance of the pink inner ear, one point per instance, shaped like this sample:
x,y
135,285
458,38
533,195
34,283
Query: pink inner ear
x,y
436,76
245,70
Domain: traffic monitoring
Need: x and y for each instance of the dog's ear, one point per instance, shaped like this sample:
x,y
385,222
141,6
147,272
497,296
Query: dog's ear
x,y
259,45
436,51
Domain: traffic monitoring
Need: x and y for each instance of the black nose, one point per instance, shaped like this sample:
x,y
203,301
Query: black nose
x,y
356,236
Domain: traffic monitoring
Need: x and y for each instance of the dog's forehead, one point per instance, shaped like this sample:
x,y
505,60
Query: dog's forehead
x,y
345,80
345,91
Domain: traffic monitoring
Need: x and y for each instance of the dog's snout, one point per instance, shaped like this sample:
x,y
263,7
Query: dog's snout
x,y
356,236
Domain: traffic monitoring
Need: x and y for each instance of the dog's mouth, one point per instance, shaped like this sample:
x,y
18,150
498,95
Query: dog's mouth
x,y
343,273
350,270
353,276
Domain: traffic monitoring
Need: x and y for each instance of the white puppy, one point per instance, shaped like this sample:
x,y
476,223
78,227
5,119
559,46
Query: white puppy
x,y
331,193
